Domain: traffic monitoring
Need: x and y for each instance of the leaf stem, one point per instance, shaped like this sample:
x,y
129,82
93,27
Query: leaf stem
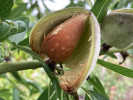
x,y
16,66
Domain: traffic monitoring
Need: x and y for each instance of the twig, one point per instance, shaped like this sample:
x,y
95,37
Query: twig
x,y
17,66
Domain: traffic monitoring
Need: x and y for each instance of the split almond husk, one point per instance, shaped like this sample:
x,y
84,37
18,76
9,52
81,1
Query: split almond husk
x,y
84,40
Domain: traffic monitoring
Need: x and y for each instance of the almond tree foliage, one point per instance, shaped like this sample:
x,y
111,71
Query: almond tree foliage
x,y
17,18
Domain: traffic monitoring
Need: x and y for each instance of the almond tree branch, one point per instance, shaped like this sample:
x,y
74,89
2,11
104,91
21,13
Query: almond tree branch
x,y
17,66
24,65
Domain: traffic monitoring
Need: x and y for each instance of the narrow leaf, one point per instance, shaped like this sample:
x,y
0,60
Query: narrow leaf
x,y
16,94
16,76
95,95
52,77
87,97
5,93
34,85
100,8
119,69
66,95
93,80
44,94
24,42
5,8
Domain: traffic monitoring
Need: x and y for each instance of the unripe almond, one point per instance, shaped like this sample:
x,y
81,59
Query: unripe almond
x,y
59,44
117,28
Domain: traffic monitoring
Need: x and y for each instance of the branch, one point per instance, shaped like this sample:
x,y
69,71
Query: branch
x,y
16,66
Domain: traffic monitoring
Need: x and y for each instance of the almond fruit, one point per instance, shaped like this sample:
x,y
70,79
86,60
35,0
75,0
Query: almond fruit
x,y
62,40
71,36
117,28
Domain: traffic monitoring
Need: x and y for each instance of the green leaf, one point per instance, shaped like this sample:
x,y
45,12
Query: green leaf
x,y
24,19
5,93
16,94
16,76
100,8
11,28
114,5
24,42
87,97
52,77
27,83
18,10
1,98
93,80
19,37
95,95
1,57
19,79
44,94
19,1
78,4
34,85
119,69
111,55
30,10
5,8
66,95
4,28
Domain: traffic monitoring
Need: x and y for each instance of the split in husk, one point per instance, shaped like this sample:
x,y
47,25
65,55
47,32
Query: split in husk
x,y
85,54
